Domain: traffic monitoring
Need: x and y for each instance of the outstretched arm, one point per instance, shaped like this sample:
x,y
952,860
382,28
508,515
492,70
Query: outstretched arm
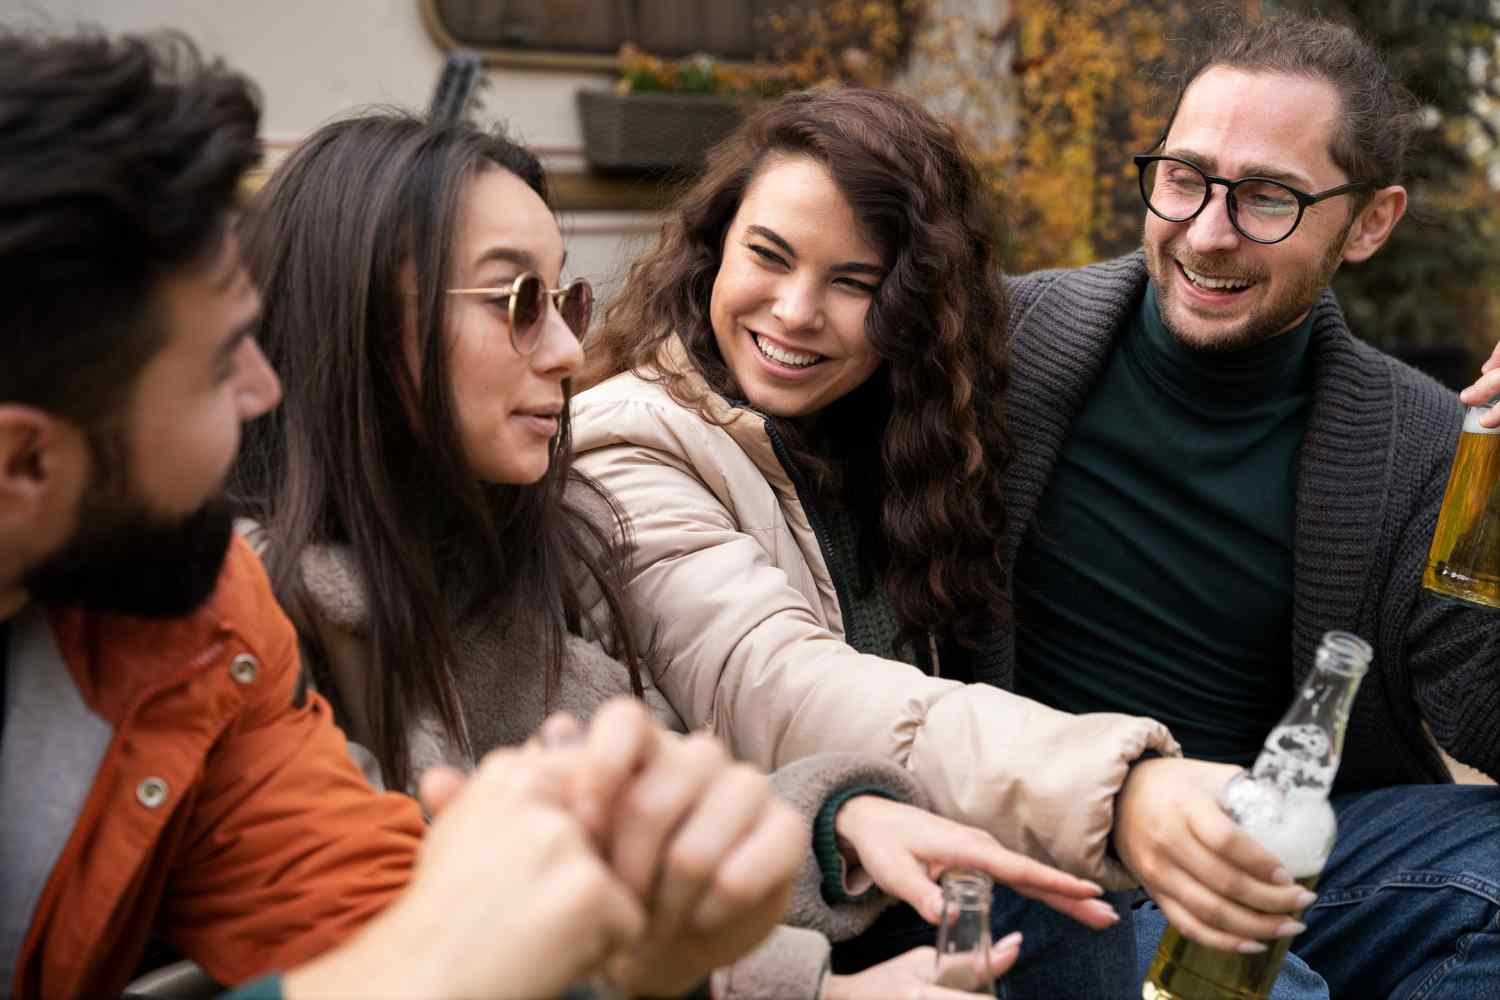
x,y
740,651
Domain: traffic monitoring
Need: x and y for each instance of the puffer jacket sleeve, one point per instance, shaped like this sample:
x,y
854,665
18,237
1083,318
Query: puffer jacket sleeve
x,y
739,650
289,850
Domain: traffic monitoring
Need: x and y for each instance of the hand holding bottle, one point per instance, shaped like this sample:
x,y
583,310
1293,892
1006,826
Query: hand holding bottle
x,y
1212,880
1282,803
1485,388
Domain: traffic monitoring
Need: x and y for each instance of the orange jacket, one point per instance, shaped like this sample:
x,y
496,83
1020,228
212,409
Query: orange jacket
x,y
225,817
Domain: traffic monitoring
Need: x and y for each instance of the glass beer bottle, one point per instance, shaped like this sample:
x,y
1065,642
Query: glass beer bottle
x,y
1283,802
963,939
1464,559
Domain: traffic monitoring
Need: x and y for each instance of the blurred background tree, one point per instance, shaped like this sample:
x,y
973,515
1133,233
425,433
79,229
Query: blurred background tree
x,y
1431,294
1056,97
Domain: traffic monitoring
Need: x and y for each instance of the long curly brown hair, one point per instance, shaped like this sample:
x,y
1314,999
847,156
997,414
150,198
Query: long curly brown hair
x,y
929,427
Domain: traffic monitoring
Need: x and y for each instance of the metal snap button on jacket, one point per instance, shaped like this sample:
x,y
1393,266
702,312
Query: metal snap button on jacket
x,y
244,668
151,793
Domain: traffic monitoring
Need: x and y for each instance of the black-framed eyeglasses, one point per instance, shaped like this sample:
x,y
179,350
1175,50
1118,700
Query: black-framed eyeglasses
x,y
527,307
1260,209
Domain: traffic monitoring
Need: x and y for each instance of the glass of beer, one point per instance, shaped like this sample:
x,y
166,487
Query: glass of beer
x,y
1464,559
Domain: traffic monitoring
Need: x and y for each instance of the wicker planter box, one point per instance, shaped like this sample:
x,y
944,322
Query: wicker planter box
x,y
648,131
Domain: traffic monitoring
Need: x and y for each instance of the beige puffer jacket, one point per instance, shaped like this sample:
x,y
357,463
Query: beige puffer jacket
x,y
731,583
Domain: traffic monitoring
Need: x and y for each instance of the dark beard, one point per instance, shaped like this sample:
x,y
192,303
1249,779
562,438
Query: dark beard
x,y
1303,295
127,560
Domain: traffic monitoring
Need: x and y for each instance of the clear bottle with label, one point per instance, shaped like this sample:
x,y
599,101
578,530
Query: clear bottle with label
x,y
1283,802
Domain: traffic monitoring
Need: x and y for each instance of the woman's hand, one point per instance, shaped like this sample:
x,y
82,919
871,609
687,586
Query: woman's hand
x,y
1212,880
904,849
912,976
1485,388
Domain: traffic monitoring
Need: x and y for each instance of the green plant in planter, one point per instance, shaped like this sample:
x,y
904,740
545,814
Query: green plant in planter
x,y
643,73
663,113
857,42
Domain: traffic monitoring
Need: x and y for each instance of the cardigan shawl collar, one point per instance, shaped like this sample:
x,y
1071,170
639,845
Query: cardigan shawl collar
x,y
1063,325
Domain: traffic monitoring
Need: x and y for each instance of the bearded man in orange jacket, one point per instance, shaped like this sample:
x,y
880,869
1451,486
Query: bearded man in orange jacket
x,y
162,772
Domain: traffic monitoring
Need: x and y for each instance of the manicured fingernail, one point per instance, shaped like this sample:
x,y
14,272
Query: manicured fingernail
x,y
1250,948
1104,910
1282,877
1290,928
1306,899
1011,940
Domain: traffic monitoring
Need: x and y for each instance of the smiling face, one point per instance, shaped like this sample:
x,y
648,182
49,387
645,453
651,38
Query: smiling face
x,y
1216,288
794,286
508,405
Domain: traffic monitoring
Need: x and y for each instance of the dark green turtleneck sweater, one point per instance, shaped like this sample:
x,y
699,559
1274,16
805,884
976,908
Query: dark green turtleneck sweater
x,y
1158,578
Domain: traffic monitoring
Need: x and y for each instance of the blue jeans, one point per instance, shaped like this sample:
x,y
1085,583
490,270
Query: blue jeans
x,y
1408,906
1059,958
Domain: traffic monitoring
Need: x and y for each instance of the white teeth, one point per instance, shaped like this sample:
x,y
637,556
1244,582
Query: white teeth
x,y
1217,284
785,357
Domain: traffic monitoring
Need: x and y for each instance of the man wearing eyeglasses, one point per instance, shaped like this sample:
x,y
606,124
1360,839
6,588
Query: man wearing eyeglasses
x,y
1213,471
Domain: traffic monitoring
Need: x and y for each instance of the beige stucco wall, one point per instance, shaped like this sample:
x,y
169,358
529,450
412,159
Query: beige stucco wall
x,y
317,59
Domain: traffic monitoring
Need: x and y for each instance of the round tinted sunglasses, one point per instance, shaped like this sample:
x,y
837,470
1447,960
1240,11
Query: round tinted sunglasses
x,y
527,308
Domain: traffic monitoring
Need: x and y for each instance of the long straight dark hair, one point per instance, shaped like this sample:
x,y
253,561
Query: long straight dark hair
x,y
365,452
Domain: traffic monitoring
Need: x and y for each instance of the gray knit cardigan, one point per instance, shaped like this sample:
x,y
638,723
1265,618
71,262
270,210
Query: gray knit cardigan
x,y
1370,478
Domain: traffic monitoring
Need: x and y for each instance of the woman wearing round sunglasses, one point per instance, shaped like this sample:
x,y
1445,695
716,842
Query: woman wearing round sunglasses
x,y
410,499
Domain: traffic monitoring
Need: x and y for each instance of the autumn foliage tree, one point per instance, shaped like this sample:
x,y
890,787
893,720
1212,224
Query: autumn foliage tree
x,y
1056,97
1437,283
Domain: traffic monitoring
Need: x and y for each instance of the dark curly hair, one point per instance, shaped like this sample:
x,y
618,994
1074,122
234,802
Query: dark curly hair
x,y
119,162
928,428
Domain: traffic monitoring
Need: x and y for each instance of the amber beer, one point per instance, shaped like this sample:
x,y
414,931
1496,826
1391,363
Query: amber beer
x,y
1183,970
1464,559
1283,803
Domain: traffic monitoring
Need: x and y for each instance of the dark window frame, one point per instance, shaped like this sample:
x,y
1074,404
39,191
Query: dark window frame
x,y
748,16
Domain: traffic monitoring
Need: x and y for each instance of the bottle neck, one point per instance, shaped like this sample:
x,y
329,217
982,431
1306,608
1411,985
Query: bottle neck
x,y
1302,753
966,889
